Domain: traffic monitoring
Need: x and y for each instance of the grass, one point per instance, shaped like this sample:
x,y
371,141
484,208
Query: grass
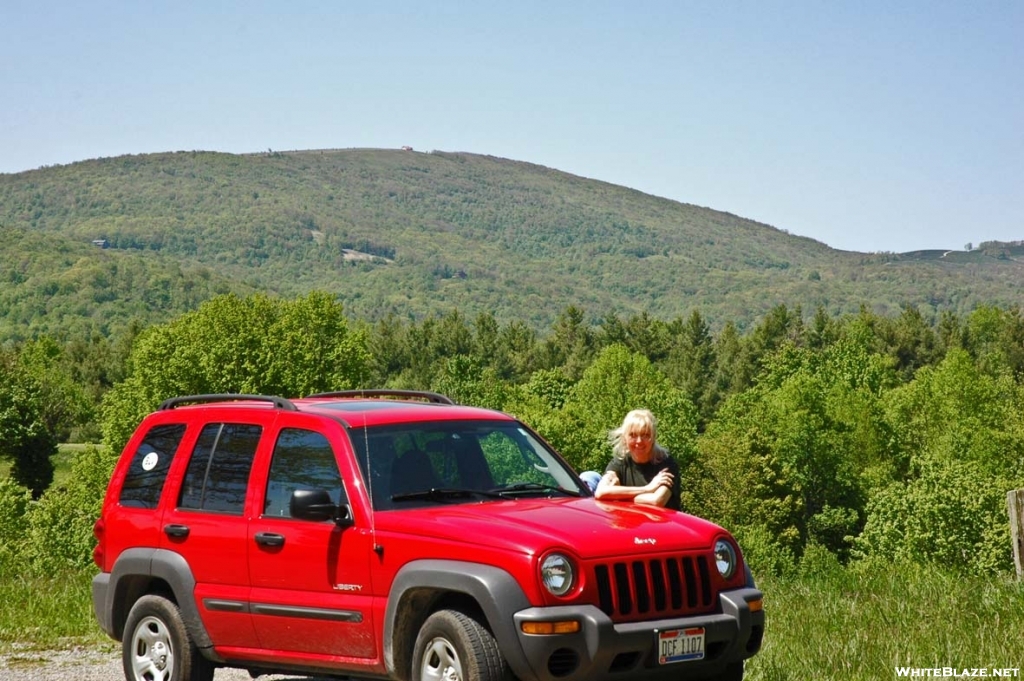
x,y
48,612
862,624
839,624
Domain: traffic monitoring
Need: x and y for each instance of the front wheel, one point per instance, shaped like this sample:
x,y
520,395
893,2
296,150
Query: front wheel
x,y
156,645
452,646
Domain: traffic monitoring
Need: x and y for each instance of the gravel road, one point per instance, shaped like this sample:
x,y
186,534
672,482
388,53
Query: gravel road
x,y
90,664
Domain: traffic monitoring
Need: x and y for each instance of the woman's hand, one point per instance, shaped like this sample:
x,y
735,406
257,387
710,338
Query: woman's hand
x,y
662,479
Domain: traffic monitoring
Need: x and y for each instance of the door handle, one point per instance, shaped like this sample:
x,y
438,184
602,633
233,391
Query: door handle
x,y
179,531
269,539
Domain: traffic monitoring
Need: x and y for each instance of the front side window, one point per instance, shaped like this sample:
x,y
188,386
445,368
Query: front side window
x,y
146,474
303,459
218,472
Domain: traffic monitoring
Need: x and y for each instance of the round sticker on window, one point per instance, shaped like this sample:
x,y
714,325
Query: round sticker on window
x,y
149,463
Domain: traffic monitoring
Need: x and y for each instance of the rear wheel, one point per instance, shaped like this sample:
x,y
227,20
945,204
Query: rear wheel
x,y
156,645
452,646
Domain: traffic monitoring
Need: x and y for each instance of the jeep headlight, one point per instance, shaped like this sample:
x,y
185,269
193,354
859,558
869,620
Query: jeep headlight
x,y
725,558
558,574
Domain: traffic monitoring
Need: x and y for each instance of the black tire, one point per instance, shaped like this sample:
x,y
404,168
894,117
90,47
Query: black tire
x,y
452,646
156,646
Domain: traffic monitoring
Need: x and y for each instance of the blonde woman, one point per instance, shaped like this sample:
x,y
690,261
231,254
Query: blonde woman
x,y
641,470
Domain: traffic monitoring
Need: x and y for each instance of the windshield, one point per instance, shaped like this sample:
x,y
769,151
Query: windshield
x,y
421,464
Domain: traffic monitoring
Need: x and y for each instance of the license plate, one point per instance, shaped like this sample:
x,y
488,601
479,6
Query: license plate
x,y
680,645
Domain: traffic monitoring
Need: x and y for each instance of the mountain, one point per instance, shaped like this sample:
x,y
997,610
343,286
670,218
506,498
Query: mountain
x,y
88,246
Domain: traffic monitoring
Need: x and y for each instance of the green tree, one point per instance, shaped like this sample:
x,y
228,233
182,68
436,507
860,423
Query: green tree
x,y
551,386
452,337
24,438
63,403
540,403
823,330
611,330
518,343
995,337
951,332
796,454
571,344
741,481
648,336
236,345
467,381
730,372
487,347
954,411
910,340
691,366
419,352
389,352
779,326
310,348
962,433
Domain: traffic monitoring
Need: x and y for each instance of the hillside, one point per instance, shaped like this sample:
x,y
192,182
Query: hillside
x,y
418,233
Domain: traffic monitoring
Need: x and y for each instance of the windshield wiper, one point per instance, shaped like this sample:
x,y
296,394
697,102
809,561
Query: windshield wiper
x,y
527,487
444,493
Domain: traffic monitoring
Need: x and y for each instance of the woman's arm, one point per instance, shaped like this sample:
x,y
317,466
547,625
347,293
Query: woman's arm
x,y
655,493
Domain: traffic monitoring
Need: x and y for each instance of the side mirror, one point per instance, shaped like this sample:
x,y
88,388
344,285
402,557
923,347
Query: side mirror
x,y
316,505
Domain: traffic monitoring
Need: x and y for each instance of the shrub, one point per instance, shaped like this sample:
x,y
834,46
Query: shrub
x,y
833,529
763,553
14,505
819,562
953,515
59,528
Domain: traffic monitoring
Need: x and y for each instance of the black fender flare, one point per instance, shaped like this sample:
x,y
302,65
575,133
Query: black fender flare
x,y
171,568
495,590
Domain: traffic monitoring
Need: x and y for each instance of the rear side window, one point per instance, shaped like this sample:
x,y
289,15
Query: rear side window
x,y
303,459
218,472
150,463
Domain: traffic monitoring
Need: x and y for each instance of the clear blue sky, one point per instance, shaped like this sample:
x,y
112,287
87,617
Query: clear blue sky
x,y
868,125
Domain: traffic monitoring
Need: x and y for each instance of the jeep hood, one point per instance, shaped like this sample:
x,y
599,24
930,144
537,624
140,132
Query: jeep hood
x,y
591,528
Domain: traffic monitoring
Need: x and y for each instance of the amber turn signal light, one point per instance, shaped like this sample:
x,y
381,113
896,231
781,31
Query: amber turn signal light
x,y
550,628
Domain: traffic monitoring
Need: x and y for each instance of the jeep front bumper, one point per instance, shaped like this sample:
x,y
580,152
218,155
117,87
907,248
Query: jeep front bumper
x,y
602,649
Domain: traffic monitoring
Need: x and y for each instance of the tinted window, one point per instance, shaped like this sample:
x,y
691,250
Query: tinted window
x,y
150,463
484,456
218,472
302,460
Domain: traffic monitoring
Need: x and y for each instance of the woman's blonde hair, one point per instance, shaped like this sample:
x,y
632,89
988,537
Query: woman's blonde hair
x,y
637,421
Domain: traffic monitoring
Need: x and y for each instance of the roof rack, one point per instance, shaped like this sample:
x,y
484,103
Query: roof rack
x,y
434,398
279,402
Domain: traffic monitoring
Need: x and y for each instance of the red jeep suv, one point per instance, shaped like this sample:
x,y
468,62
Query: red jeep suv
x,y
396,535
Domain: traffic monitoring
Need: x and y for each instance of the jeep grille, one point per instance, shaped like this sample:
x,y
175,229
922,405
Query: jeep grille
x,y
660,587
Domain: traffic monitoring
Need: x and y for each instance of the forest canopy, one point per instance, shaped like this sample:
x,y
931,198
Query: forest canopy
x,y
91,247
869,437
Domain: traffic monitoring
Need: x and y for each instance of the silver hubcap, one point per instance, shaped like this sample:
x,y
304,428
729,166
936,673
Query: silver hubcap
x,y
441,662
152,654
